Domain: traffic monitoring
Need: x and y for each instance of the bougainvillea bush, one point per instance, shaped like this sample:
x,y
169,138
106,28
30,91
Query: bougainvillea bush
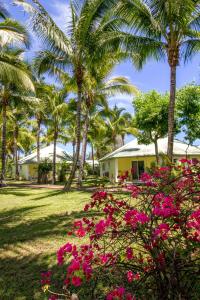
x,y
145,245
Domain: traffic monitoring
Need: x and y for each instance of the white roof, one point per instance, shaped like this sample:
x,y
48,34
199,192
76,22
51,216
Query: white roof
x,y
46,153
133,149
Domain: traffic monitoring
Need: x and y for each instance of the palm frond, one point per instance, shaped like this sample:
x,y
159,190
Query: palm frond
x,y
46,29
12,31
14,71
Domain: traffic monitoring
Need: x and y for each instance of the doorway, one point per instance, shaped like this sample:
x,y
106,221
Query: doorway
x,y
137,169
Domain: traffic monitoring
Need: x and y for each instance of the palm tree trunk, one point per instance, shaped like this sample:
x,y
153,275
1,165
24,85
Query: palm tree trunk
x,y
3,149
156,151
78,131
171,112
54,158
16,153
93,169
74,148
38,146
84,148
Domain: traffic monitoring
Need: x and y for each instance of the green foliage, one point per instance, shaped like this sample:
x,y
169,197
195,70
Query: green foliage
x,y
188,109
64,168
151,112
44,168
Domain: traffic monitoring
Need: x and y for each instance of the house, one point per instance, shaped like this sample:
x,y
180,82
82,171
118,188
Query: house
x,y
28,165
137,158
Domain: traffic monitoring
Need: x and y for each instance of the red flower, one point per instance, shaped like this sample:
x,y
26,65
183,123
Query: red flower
x,y
76,281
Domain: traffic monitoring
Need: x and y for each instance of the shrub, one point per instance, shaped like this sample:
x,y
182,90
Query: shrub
x,y
146,245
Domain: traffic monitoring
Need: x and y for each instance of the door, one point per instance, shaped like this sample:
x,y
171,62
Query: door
x,y
137,169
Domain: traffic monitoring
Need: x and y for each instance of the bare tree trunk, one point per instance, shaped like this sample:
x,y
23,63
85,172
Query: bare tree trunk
x,y
171,112
16,152
38,146
78,132
54,157
93,168
3,149
84,148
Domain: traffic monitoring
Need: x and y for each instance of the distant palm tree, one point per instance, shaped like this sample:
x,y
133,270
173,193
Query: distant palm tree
x,y
57,110
74,50
157,29
119,123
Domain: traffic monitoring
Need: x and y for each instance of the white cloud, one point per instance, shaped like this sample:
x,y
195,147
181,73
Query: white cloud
x,y
61,13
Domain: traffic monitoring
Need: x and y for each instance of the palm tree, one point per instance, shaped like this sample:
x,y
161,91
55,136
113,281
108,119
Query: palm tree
x,y
119,123
74,50
98,89
57,115
19,135
9,87
158,29
42,92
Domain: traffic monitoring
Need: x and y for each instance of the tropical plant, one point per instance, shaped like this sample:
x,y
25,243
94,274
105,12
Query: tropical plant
x,y
98,88
75,50
119,123
159,29
10,89
57,110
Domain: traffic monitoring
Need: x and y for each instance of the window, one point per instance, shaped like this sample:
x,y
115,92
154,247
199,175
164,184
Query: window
x,y
137,169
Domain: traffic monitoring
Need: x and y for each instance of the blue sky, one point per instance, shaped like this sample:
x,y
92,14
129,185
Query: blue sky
x,y
154,75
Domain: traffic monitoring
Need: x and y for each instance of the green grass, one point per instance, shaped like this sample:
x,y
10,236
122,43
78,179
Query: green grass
x,y
33,224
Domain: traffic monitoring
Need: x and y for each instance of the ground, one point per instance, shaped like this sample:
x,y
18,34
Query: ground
x,y
33,224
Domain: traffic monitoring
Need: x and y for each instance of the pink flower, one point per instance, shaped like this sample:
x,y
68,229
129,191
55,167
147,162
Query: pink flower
x,y
74,266
129,253
61,252
99,195
164,206
133,217
161,231
135,190
194,225
100,227
130,276
80,232
76,281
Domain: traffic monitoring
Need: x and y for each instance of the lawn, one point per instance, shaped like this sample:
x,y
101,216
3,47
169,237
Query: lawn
x,y
33,224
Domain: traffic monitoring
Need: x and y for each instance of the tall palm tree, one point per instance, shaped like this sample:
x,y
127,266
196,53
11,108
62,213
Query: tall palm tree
x,y
74,50
98,89
57,115
42,92
158,29
9,87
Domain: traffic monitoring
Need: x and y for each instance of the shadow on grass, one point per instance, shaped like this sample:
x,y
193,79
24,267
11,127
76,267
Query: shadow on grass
x,y
53,225
20,276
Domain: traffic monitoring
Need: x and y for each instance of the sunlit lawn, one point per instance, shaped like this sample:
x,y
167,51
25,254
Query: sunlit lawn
x,y
33,224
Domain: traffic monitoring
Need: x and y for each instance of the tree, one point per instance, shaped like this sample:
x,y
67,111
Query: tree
x,y
188,111
75,50
98,88
42,92
151,112
119,123
9,87
158,29
57,110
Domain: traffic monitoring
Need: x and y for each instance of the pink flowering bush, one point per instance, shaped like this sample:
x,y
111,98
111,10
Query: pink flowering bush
x,y
145,245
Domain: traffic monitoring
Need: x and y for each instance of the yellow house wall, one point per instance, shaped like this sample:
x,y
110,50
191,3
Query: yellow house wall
x,y
125,163
33,170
